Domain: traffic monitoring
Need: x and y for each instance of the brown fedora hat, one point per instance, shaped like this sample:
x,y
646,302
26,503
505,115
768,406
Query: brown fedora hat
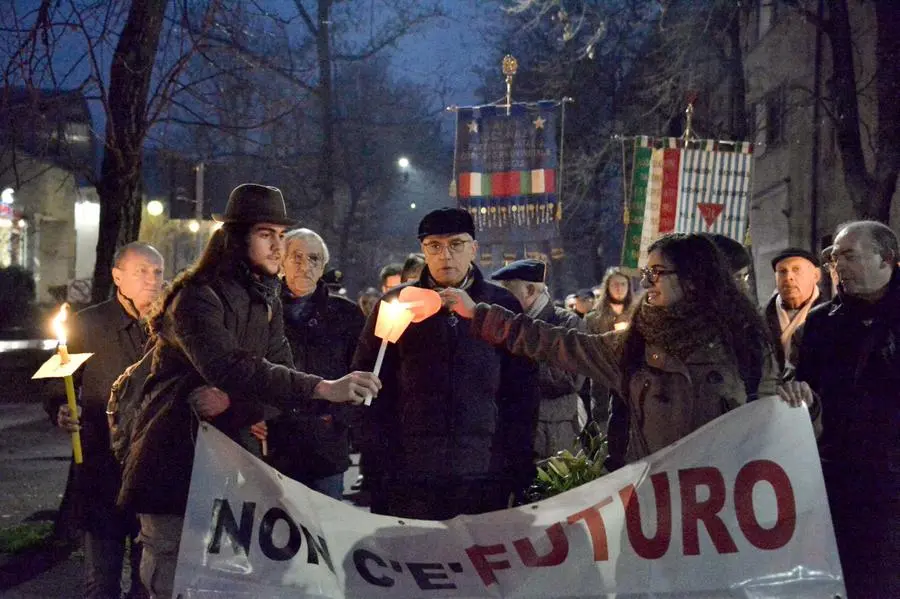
x,y
251,203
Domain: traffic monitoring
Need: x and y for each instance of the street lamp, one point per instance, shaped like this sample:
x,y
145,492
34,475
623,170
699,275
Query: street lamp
x,y
154,208
403,162
194,226
7,196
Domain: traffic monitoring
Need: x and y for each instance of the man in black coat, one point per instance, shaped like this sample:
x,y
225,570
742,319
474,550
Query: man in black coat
x,y
850,357
310,443
116,334
562,414
450,433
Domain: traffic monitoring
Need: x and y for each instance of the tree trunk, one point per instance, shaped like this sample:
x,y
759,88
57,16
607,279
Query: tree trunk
x,y
738,125
860,185
887,85
120,176
326,97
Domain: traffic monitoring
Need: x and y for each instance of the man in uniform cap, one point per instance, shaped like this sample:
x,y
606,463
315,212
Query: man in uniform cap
x,y
562,414
797,276
450,432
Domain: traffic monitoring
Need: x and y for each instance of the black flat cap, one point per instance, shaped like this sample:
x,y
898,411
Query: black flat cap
x,y
521,270
584,294
795,253
446,221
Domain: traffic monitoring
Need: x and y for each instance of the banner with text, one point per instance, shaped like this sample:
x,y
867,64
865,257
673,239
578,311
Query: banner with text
x,y
736,509
686,187
507,164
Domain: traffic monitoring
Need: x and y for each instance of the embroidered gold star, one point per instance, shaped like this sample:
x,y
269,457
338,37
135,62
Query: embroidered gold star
x,y
539,122
473,126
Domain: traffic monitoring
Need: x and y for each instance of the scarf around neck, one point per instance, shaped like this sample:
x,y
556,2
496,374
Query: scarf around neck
x,y
679,329
790,325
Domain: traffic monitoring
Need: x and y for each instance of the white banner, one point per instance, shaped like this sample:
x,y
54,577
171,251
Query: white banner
x,y
736,509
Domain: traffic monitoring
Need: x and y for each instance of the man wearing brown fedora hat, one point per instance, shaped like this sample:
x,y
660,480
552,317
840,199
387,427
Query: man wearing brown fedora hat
x,y
220,355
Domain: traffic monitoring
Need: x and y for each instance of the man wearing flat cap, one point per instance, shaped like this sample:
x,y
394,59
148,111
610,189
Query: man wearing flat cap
x,y
450,432
797,277
562,414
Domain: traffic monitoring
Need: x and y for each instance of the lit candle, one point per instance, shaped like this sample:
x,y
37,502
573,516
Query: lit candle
x,y
620,326
393,318
59,329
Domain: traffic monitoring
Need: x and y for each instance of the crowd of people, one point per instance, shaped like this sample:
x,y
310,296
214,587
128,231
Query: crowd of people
x,y
253,339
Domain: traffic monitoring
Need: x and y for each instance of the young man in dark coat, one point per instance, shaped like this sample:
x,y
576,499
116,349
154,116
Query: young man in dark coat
x,y
220,354
311,443
451,431
115,332
850,358
562,414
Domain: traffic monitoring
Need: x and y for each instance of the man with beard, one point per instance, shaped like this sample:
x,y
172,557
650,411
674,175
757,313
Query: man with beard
x,y
797,278
451,431
562,415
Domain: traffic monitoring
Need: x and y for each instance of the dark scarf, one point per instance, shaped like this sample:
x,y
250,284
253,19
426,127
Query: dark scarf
x,y
265,287
679,329
464,285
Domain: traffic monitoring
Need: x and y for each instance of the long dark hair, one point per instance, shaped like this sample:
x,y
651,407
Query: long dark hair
x,y
707,282
603,305
224,252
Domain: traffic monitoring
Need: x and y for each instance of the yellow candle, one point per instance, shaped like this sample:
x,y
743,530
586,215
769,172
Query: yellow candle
x,y
73,409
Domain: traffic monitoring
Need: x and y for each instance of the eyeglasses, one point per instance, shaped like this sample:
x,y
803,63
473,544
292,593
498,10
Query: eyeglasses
x,y
313,260
653,274
433,248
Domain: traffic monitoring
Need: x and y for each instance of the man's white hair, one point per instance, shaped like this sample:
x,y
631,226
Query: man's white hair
x,y
308,234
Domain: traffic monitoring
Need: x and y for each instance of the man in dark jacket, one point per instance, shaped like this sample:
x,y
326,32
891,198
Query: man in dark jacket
x,y
562,415
221,353
797,278
850,357
451,431
114,331
310,443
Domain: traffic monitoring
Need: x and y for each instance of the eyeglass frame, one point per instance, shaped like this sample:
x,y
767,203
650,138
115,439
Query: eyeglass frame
x,y
653,276
311,260
435,248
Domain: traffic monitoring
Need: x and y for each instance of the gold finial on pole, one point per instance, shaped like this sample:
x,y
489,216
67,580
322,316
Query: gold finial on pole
x,y
689,122
510,65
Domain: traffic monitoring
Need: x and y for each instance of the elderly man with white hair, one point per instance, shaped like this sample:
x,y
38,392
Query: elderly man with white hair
x,y
562,414
310,443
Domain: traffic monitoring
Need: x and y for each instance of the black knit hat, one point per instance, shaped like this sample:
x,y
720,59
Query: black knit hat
x,y
795,253
446,221
251,203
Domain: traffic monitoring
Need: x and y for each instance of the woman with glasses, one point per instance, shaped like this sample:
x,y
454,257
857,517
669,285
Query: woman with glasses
x,y
696,348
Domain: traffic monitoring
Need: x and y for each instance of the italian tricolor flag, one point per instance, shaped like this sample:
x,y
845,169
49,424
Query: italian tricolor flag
x,y
507,184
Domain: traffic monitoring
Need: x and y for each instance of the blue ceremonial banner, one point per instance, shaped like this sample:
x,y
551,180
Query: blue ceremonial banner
x,y
507,166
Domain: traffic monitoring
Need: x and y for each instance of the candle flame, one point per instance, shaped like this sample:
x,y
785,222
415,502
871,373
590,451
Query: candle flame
x,y
59,327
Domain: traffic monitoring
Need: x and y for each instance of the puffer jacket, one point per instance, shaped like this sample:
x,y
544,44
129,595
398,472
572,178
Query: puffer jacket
x,y
452,407
227,333
666,398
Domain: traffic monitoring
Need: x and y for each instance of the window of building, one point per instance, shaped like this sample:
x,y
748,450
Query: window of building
x,y
770,119
77,132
